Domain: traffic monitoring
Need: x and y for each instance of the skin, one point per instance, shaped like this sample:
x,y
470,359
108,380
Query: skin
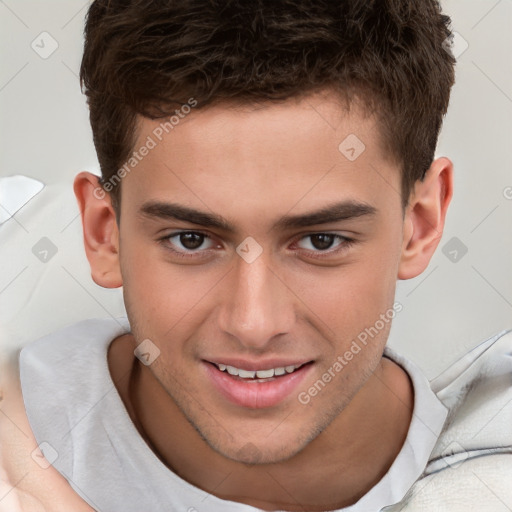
x,y
252,166
26,486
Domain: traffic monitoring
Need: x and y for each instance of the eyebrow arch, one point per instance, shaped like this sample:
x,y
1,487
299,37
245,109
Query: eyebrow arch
x,y
331,213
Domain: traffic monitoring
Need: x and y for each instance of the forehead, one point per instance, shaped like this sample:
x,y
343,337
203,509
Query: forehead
x,y
267,157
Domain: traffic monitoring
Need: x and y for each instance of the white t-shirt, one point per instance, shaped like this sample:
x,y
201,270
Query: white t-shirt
x,y
84,430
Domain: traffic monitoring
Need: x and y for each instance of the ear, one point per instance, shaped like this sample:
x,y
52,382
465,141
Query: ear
x,y
424,218
101,234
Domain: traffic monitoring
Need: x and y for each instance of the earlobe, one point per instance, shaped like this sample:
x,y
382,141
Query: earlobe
x,y
100,230
425,217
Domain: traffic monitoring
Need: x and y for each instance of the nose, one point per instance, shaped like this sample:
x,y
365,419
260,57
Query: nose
x,y
259,305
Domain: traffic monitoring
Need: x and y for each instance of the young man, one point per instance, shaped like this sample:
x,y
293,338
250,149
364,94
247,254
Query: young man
x,y
268,174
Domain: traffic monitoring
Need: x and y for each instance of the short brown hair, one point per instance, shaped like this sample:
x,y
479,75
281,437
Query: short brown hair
x,y
145,57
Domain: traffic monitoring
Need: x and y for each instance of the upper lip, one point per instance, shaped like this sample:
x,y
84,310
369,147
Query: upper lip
x,y
266,364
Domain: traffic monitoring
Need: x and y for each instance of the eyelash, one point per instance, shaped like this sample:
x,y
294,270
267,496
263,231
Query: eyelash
x,y
345,245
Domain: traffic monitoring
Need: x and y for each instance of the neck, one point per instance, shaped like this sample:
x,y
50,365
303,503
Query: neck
x,y
358,447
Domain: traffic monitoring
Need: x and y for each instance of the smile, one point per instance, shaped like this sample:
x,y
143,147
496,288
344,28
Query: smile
x,y
256,389
258,375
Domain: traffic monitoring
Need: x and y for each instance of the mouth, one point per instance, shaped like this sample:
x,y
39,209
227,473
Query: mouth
x,y
258,375
256,388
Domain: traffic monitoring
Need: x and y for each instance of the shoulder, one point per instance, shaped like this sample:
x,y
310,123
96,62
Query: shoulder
x,y
50,384
470,467
71,343
27,480
477,391
63,376
55,368
481,484
488,359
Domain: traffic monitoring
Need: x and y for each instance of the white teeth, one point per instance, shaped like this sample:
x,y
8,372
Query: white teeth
x,y
260,374
245,374
264,374
232,370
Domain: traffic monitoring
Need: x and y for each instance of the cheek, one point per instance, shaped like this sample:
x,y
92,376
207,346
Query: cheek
x,y
368,284
353,301
162,299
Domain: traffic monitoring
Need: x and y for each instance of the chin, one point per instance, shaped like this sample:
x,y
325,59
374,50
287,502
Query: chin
x,y
260,452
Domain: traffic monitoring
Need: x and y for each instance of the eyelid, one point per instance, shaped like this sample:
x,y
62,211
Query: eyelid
x,y
193,254
345,243
328,254
341,238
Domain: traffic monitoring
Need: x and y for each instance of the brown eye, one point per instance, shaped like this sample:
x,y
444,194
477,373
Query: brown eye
x,y
191,241
325,245
188,242
322,241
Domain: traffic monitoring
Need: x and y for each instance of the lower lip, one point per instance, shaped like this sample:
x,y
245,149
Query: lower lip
x,y
256,395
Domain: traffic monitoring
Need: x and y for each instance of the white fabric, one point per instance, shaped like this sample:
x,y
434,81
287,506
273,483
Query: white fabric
x,y
15,192
40,297
470,467
73,405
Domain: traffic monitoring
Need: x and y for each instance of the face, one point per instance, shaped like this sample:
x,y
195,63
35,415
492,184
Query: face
x,y
292,253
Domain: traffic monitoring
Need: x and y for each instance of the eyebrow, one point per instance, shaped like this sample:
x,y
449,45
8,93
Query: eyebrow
x,y
331,213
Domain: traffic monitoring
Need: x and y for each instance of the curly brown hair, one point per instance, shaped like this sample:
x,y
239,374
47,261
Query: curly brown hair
x,y
146,57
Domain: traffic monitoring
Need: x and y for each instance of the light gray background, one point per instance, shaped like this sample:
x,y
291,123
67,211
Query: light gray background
x,y
45,134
